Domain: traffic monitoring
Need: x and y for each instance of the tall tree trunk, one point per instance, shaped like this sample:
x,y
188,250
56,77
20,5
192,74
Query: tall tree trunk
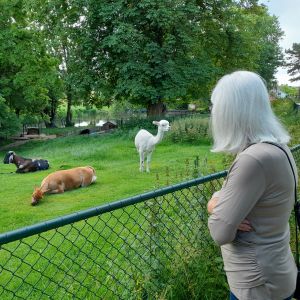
x,y
156,109
18,111
51,112
69,122
50,124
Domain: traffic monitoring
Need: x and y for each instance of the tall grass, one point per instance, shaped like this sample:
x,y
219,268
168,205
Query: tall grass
x,y
191,130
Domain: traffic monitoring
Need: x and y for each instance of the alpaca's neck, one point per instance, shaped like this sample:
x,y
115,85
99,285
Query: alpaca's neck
x,y
157,138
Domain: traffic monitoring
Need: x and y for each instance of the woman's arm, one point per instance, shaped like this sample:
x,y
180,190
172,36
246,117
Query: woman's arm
x,y
212,202
245,184
244,226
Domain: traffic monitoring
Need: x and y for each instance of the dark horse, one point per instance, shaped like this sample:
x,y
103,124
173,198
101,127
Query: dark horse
x,y
25,165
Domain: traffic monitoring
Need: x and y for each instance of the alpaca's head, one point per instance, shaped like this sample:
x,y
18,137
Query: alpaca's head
x,y
162,125
36,196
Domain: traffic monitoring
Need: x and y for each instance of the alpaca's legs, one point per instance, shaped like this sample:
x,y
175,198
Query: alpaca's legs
x,y
142,161
148,161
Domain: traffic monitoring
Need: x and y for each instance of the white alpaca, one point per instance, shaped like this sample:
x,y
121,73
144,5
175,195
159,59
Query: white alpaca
x,y
145,142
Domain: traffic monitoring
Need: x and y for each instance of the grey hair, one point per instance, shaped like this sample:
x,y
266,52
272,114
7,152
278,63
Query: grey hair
x,y
242,114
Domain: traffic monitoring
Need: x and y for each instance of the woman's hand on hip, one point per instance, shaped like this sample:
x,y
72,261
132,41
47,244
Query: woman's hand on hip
x,y
245,226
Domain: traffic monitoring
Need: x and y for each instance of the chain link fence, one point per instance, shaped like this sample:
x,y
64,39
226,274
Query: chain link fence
x,y
152,246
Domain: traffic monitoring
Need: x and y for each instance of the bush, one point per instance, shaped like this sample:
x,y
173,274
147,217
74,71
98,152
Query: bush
x,y
282,108
190,130
289,117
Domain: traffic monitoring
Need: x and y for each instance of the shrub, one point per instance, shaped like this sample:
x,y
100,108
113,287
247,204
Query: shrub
x,y
189,130
289,117
282,108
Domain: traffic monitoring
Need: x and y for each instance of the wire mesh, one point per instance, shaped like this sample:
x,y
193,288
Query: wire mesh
x,y
123,250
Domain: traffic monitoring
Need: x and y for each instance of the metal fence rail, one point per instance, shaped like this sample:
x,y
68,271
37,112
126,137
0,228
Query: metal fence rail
x,y
129,249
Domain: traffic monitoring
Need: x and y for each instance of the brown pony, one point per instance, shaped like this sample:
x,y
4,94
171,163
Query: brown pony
x,y
25,165
64,180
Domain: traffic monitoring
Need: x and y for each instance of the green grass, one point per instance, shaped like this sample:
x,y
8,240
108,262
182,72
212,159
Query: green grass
x,y
159,247
97,256
116,162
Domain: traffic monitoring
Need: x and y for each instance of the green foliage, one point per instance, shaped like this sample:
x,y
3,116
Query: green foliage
x,y
61,112
9,124
267,34
240,36
191,130
197,275
28,119
153,52
138,123
145,54
26,69
175,50
291,91
293,62
282,108
122,109
60,24
289,117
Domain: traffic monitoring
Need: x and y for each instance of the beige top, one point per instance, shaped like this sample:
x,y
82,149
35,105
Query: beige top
x,y
260,187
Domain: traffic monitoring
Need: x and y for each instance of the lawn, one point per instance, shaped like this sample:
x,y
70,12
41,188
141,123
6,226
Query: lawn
x,y
118,253
116,162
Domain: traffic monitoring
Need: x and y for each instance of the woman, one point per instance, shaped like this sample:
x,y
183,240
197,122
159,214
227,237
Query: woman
x,y
250,214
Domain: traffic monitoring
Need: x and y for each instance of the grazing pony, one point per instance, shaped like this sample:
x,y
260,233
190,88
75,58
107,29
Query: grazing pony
x,y
145,142
64,180
25,165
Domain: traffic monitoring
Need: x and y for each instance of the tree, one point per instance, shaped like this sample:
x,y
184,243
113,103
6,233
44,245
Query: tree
x,y
242,35
268,33
55,93
144,51
293,63
9,123
59,22
152,52
26,69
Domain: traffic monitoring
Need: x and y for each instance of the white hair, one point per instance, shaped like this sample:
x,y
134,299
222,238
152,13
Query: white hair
x,y
242,114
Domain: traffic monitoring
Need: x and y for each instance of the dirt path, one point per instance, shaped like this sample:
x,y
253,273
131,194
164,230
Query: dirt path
x,y
13,145
18,143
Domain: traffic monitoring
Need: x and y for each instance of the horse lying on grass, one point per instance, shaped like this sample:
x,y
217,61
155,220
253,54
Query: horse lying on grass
x,y
64,180
25,165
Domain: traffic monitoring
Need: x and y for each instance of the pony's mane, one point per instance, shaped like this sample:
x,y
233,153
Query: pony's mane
x,y
37,194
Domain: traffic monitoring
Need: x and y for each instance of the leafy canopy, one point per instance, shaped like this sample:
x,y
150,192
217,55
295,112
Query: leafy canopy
x,y
293,62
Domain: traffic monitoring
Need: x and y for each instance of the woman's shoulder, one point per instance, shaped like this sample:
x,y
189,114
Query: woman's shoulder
x,y
264,152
